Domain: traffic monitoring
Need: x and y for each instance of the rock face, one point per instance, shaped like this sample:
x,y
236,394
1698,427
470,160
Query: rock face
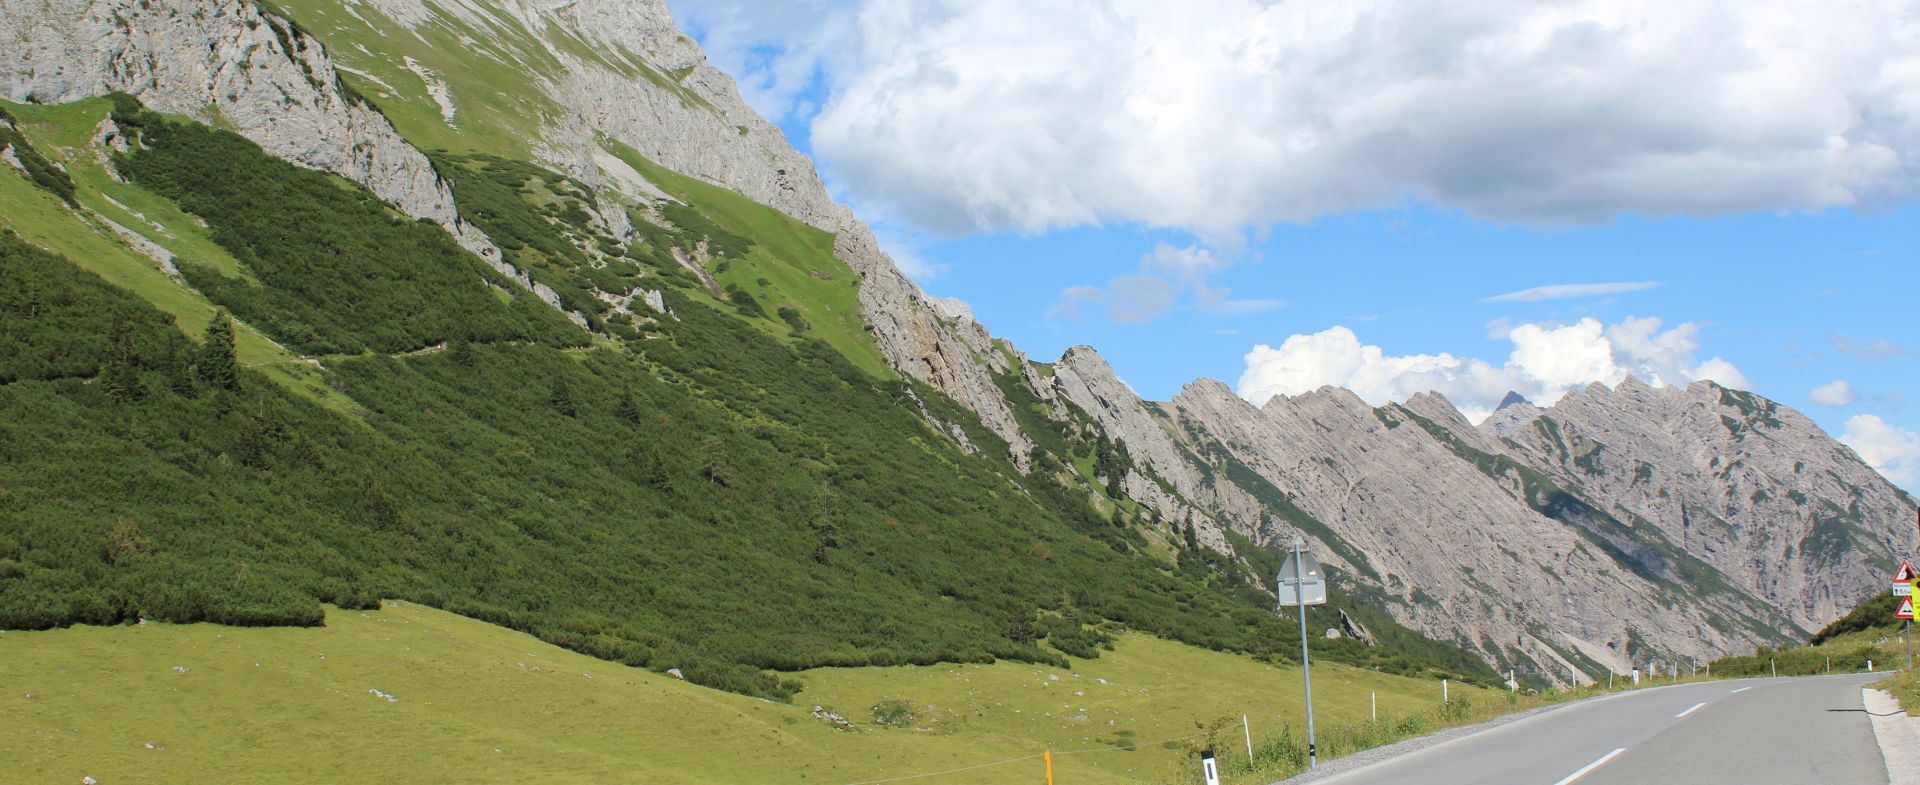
x,y
226,63
1619,526
1749,486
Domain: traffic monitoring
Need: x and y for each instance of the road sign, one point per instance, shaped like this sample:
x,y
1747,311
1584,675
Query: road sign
x,y
1906,609
1902,588
1907,573
1296,581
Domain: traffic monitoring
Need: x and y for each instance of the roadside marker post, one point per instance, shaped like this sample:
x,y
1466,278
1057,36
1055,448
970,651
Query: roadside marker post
x,y
1373,705
1443,691
1049,754
1247,728
1209,768
1301,583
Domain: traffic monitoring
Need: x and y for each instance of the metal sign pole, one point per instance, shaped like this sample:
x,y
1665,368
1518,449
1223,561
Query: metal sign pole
x,y
1306,667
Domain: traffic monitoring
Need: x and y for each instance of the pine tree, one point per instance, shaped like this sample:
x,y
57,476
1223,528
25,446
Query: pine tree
x,y
121,376
460,351
180,370
1193,540
716,469
562,397
627,409
216,365
825,524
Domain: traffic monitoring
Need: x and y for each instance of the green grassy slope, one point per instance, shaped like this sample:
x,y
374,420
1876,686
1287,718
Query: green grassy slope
x,y
479,704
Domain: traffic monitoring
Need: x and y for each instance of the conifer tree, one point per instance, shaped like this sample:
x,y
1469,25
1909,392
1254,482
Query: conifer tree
x,y
180,369
562,397
121,376
460,351
627,409
216,365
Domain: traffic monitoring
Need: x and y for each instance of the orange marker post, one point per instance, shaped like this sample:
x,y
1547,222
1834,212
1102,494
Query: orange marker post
x,y
1049,757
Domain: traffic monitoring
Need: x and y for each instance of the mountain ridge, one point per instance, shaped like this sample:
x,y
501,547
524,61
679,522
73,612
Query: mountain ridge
x,y
1541,515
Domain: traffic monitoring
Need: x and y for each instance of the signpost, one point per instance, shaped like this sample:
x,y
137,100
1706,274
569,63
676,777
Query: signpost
x,y
1908,590
1301,583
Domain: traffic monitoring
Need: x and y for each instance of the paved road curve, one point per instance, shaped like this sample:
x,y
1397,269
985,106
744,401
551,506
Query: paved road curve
x,y
1800,731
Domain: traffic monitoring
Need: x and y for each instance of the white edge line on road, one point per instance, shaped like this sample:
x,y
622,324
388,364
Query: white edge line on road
x,y
1584,770
1696,707
1742,689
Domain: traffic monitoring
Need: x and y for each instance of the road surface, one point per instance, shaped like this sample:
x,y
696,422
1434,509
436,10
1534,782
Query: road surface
x,y
1787,731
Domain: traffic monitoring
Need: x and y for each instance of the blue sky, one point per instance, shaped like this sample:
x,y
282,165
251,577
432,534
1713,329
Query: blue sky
x,y
1223,189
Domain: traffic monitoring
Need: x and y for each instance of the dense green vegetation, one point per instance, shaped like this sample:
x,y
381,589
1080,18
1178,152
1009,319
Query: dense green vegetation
x,y
338,271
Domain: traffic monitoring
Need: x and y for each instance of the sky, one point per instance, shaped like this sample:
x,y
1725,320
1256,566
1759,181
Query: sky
x,y
1473,197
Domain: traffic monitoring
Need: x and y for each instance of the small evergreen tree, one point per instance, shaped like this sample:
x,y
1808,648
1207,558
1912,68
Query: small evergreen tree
x,y
825,524
460,351
121,376
716,469
180,369
216,365
627,409
562,396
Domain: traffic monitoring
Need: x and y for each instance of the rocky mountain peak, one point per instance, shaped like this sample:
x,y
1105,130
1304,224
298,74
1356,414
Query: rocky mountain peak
x,y
1513,398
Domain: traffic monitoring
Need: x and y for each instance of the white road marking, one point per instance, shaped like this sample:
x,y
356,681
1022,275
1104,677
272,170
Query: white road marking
x,y
1587,769
1742,689
1696,707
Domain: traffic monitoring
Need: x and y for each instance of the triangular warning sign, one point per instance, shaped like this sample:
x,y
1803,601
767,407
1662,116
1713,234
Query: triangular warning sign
x,y
1907,573
1906,609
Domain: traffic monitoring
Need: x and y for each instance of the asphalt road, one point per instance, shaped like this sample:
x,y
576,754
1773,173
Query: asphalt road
x,y
1788,731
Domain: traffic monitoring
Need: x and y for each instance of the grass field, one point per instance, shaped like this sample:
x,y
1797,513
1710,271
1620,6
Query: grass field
x,y
480,704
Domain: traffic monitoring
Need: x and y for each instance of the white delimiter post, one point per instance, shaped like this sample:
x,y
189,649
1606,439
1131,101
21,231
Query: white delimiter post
x,y
1373,705
1443,691
1248,729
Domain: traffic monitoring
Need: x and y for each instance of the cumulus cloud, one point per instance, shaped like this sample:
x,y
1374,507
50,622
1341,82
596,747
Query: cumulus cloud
x,y
1165,273
1838,392
1546,362
1888,448
1215,115
1564,291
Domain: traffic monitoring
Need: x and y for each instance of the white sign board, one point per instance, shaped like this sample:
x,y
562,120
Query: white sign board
x,y
1297,580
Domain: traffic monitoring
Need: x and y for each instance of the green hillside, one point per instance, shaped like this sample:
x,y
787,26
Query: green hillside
x,y
726,489
478,704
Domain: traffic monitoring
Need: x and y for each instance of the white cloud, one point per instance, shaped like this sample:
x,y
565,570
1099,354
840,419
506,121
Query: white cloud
x,y
1890,449
1565,291
1216,115
1164,274
1838,392
1546,362
1869,349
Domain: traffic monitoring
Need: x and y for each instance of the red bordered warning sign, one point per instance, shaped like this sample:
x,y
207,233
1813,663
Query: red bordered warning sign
x,y
1906,609
1907,573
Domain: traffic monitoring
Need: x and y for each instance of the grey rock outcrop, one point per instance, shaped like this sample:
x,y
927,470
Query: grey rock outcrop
x,y
1749,486
224,62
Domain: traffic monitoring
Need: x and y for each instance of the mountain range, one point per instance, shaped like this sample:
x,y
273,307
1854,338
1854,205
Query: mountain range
x,y
611,228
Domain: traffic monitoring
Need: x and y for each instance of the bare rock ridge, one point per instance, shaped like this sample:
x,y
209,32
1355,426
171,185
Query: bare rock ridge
x,y
225,62
1749,486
